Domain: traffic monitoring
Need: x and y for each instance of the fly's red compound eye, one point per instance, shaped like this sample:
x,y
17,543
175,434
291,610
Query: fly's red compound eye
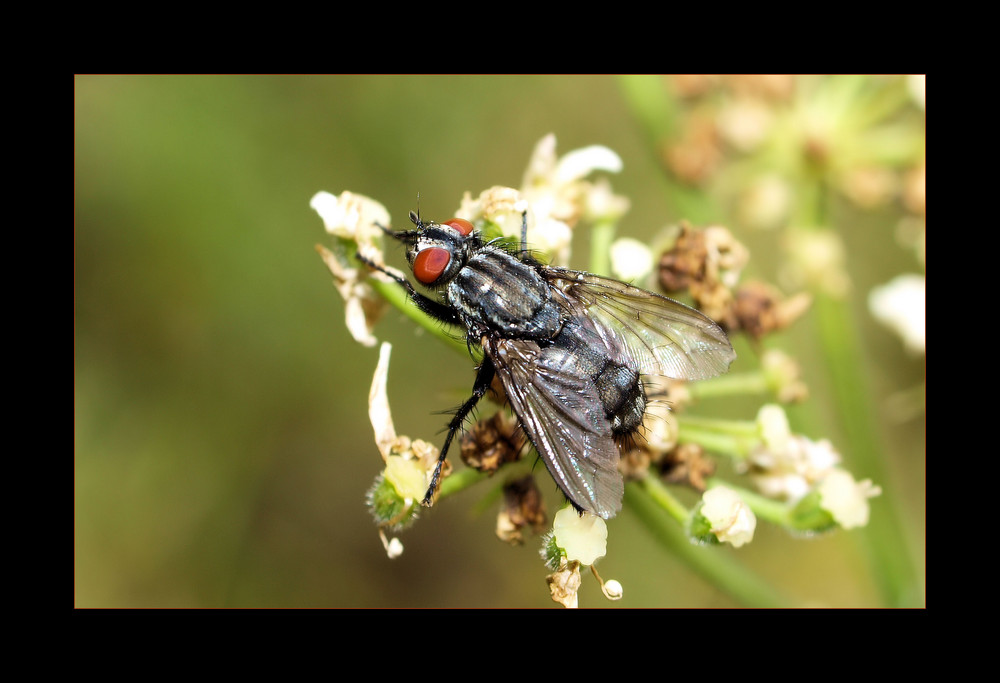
x,y
462,226
430,264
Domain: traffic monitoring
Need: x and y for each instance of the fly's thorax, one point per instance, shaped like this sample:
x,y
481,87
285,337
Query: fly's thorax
x,y
497,292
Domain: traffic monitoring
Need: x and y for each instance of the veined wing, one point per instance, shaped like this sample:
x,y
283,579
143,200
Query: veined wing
x,y
660,335
563,415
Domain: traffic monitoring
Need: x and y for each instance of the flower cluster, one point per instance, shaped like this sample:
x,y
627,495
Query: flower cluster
x,y
706,264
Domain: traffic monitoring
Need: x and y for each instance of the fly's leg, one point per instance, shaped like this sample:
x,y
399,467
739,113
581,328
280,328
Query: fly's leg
x,y
484,377
434,309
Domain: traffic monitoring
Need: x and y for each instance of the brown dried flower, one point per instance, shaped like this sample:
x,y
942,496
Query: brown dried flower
x,y
522,506
492,442
759,309
687,464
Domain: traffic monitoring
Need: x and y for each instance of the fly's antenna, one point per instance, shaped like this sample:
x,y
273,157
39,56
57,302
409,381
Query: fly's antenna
x,y
415,216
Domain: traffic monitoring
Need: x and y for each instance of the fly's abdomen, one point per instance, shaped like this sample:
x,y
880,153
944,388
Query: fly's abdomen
x,y
623,396
580,350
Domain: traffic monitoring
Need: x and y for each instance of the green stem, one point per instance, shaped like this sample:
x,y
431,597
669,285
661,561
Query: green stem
x,y
734,446
660,494
733,384
742,428
735,438
711,563
461,480
885,536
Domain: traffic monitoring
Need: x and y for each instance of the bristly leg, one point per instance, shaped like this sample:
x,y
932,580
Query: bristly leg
x,y
484,377
434,309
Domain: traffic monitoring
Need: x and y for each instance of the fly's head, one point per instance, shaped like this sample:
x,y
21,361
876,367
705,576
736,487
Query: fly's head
x,y
437,251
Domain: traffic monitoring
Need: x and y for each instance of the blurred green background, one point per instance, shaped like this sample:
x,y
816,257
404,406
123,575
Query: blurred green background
x,y
222,444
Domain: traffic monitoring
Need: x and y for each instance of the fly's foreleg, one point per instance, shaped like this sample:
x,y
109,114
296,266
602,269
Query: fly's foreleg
x,y
434,309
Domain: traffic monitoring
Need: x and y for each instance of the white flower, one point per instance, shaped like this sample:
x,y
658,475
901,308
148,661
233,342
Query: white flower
x,y
362,307
545,169
901,306
409,465
774,429
584,537
603,205
554,194
631,260
845,499
378,403
732,520
559,195
354,217
580,163
787,465
350,215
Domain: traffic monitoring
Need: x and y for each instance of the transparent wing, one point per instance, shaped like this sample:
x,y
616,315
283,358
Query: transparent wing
x,y
661,336
562,414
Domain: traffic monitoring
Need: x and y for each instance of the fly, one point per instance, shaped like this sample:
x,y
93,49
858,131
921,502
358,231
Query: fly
x,y
569,347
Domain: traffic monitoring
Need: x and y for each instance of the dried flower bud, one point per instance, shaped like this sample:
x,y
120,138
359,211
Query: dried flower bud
x,y
685,262
687,464
522,506
760,309
564,584
694,157
707,262
492,442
